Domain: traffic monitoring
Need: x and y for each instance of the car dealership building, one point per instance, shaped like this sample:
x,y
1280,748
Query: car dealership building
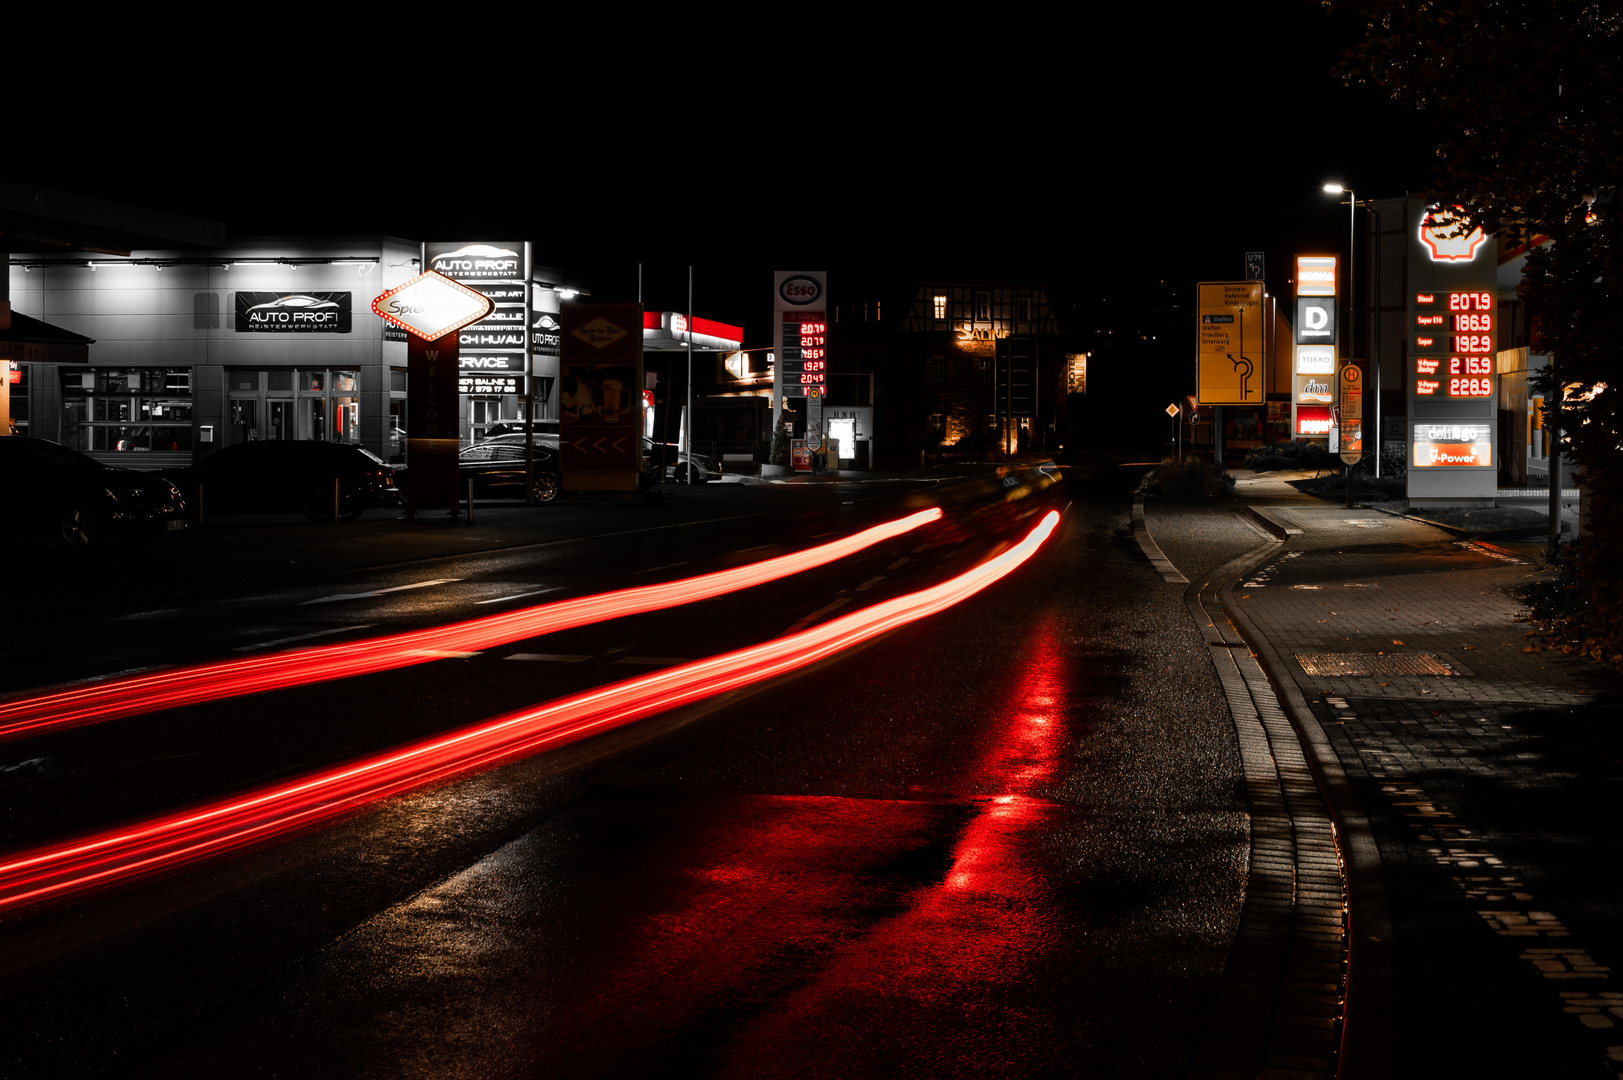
x,y
151,354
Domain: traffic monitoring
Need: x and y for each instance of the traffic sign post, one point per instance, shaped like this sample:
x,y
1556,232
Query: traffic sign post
x,y
432,309
1350,416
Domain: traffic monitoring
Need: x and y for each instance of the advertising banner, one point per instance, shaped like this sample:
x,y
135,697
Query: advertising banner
x,y
1313,421
600,375
292,313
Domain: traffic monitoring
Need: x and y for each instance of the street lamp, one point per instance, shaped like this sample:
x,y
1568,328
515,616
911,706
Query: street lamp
x,y
1334,188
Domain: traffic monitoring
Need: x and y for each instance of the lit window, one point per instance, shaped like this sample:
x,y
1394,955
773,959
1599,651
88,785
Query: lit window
x,y
941,307
983,307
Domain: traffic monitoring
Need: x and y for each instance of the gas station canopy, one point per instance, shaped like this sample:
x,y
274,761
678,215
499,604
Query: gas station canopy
x,y
669,331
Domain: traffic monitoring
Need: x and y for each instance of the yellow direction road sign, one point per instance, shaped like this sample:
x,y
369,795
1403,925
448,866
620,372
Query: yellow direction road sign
x,y
1228,343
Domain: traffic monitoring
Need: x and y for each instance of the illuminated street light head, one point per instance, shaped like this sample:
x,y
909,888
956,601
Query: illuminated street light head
x,y
1333,189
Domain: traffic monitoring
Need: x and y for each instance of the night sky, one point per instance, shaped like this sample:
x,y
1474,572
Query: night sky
x,y
1112,164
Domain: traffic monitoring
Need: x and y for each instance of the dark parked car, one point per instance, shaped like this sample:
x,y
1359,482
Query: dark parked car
x,y
496,467
515,429
679,466
289,477
50,490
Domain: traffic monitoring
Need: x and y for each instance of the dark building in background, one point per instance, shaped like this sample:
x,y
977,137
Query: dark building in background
x,y
956,368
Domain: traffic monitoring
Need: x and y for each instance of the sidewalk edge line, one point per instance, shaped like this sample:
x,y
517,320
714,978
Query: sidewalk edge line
x,y
1147,544
1367,1020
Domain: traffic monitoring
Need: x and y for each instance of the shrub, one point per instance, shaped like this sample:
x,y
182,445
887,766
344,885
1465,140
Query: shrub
x,y
1190,478
1298,454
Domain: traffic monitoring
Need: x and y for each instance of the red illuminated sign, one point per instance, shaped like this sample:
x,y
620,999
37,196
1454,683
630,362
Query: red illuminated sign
x,y
805,353
1312,419
1449,235
1465,336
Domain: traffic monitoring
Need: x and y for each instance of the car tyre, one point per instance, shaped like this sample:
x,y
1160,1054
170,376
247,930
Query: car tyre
x,y
80,527
545,488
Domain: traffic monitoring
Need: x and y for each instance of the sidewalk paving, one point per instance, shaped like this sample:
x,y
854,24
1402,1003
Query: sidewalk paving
x,y
1488,775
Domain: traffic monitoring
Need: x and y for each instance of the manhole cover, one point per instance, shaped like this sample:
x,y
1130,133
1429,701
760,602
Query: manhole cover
x,y
1371,664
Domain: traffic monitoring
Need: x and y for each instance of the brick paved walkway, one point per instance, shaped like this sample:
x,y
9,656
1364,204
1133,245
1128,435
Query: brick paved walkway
x,y
1487,776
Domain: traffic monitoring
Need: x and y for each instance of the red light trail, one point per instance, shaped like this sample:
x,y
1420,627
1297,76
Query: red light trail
x,y
151,691
172,840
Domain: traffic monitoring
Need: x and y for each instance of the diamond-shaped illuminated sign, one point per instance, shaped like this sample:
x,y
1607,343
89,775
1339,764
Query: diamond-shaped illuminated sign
x,y
432,305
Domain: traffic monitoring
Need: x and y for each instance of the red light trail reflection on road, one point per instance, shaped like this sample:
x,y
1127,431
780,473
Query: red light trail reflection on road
x,y
152,691
189,835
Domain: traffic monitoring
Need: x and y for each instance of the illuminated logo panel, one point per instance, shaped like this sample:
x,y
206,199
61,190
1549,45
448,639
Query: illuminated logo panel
x,y
1452,446
1315,275
431,305
1315,360
1450,235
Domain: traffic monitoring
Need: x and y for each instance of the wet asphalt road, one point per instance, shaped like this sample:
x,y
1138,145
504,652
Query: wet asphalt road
x,y
1008,840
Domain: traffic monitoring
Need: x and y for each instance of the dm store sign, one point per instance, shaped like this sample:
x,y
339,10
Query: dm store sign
x,y
292,313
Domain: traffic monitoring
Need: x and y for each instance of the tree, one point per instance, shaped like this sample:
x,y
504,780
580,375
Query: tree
x,y
1528,101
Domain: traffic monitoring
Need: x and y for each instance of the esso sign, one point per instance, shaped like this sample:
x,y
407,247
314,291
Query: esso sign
x,y
800,291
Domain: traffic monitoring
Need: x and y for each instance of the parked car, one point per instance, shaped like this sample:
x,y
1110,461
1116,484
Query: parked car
x,y
497,467
275,476
678,465
516,428
50,490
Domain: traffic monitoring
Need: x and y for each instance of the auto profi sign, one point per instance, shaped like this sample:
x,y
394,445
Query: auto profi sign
x,y
432,305
292,313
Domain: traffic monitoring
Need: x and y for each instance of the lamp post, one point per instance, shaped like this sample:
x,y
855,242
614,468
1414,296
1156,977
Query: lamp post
x,y
1333,188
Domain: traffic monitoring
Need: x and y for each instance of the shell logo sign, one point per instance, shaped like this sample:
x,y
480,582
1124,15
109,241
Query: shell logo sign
x,y
1443,231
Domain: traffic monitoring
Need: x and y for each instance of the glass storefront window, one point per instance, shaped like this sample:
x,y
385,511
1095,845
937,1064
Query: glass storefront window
x,y
127,409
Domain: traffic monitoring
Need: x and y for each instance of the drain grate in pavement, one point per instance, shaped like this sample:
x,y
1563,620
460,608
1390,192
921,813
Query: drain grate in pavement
x,y
1372,664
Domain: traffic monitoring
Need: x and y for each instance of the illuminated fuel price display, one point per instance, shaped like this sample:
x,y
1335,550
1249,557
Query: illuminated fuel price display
x,y
805,354
1452,348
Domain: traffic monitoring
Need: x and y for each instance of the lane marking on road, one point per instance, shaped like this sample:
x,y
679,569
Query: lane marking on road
x,y
301,637
801,624
656,569
561,658
379,592
655,661
520,596
757,547
870,583
897,565
446,654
